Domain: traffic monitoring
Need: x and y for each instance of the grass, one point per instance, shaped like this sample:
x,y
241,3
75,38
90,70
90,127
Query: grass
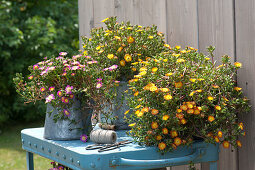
x,y
12,156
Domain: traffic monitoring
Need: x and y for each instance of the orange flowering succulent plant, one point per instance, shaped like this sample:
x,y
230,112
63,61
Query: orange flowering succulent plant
x,y
186,96
124,45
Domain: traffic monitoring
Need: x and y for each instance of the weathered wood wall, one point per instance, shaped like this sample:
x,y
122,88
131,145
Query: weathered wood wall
x,y
227,24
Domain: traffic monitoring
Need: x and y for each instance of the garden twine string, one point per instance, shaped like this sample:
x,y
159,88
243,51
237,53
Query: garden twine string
x,y
103,136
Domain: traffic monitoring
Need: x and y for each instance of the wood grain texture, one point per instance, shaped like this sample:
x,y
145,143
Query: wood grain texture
x,y
245,43
216,26
86,18
102,9
182,26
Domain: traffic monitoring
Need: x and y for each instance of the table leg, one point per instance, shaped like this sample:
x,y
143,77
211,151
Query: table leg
x,y
30,161
213,165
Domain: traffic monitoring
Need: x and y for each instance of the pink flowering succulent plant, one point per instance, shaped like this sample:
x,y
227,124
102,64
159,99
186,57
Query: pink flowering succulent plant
x,y
59,79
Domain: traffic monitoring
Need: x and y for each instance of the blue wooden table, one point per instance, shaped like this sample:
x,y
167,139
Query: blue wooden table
x,y
132,156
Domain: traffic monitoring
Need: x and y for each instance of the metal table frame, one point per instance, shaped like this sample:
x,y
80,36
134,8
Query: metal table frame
x,y
132,156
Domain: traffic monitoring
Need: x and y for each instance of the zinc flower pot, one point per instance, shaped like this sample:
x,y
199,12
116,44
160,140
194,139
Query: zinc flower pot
x,y
77,121
118,108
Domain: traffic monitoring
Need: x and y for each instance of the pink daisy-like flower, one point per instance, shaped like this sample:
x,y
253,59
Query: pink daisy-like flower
x,y
45,58
75,68
52,68
99,85
113,67
59,58
31,77
35,67
65,100
50,63
49,98
84,138
99,79
42,89
71,96
72,74
51,88
63,53
41,68
66,112
64,61
105,69
59,93
64,74
44,72
69,89
75,63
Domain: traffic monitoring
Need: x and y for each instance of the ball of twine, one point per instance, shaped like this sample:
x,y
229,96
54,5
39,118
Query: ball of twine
x,y
103,136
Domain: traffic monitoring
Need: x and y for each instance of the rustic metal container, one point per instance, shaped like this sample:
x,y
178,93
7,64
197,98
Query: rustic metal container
x,y
66,129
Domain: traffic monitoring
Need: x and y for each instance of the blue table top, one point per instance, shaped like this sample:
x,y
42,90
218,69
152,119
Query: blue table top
x,y
73,153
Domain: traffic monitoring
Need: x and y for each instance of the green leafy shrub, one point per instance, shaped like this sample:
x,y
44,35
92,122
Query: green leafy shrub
x,y
180,95
30,30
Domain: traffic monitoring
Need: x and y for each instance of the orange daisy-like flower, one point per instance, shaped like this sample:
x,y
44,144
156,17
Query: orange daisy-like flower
x,y
120,49
174,146
161,145
217,107
154,111
210,98
168,97
173,133
165,131
183,121
154,125
128,57
237,88
225,99
178,84
211,118
140,114
238,142
167,46
154,69
164,89
180,60
168,74
153,88
165,117
215,86
179,110
237,64
196,111
216,139
184,107
177,141
136,93
179,115
241,126
122,63
220,134
190,105
226,144
158,137
110,56
130,39
136,112
145,109
190,111
192,80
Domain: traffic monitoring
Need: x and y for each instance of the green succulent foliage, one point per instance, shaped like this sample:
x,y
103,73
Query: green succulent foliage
x,y
193,98
125,42
31,30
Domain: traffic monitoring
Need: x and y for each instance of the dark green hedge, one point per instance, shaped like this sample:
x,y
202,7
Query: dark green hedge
x,y
29,31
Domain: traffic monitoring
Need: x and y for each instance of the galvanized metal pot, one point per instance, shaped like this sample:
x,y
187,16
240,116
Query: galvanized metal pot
x,y
119,107
66,129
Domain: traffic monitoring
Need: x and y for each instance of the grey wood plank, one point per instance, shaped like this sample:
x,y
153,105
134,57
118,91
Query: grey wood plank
x,y
182,27
102,9
86,20
142,12
245,50
216,27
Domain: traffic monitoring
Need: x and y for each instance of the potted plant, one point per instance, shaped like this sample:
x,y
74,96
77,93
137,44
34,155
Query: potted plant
x,y
182,95
62,83
119,47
